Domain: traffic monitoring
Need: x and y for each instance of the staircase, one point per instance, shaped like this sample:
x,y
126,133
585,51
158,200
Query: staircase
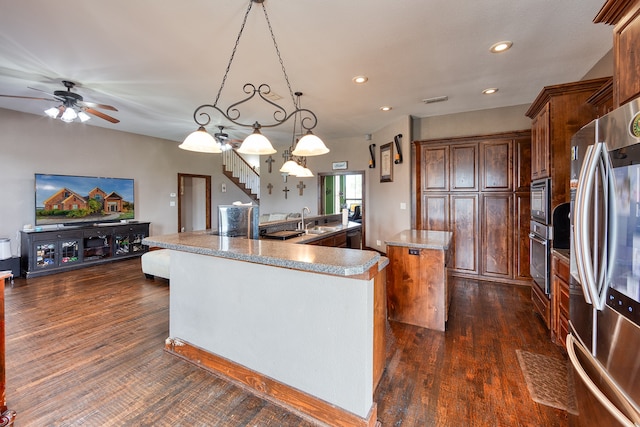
x,y
242,174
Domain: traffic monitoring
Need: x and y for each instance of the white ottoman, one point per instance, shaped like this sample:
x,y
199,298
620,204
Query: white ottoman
x,y
156,263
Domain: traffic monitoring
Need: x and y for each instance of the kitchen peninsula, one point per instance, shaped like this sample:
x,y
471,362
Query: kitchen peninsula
x,y
301,324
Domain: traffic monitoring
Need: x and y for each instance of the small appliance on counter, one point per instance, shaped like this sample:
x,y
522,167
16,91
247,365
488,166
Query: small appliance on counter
x,y
238,221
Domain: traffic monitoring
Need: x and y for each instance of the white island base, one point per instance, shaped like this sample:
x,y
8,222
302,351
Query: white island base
x,y
312,342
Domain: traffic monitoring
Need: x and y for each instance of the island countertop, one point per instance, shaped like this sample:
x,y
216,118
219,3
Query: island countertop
x,y
423,239
317,259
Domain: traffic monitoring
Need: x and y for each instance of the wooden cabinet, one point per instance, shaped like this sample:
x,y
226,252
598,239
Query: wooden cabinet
x,y
625,15
559,298
497,235
53,251
557,114
541,304
540,144
7,416
418,290
464,224
478,188
338,240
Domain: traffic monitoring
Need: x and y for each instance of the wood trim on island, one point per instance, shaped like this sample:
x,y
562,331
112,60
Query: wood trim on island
x,y
303,404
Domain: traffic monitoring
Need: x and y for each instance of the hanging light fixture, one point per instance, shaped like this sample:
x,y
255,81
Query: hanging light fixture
x,y
292,166
256,143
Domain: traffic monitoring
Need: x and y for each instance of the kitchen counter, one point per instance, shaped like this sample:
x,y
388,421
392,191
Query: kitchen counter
x,y
302,324
422,239
310,236
287,254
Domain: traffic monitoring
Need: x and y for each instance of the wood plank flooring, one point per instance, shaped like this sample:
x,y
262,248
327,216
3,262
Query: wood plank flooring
x,y
86,348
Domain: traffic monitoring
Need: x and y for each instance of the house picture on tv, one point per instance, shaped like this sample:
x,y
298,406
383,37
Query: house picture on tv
x,y
62,199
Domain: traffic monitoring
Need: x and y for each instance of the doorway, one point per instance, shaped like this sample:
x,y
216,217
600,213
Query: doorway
x,y
194,202
346,189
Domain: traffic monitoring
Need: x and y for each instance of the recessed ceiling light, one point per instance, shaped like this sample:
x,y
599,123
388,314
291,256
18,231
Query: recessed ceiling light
x,y
501,46
385,108
360,80
490,91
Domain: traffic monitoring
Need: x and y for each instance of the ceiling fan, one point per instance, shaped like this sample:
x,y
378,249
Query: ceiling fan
x,y
223,138
72,105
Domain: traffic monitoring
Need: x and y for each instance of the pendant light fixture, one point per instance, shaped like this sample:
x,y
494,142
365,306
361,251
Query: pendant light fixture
x,y
255,143
292,166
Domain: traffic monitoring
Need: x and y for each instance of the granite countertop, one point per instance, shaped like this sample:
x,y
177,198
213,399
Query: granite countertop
x,y
423,239
317,259
562,253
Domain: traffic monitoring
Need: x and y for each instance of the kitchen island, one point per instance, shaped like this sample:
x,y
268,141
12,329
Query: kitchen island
x,y
302,325
418,290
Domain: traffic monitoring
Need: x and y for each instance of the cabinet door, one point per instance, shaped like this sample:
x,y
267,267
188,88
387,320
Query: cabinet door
x,y
464,167
627,61
522,163
496,159
497,235
522,215
435,161
540,140
435,212
464,224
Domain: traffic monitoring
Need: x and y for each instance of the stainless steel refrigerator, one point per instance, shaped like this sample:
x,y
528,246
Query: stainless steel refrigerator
x,y
604,340
238,221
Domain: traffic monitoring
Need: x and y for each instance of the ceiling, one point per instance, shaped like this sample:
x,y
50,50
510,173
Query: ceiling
x,y
156,61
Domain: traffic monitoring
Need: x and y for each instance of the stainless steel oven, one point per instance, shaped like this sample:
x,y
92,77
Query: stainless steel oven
x,y
541,201
540,254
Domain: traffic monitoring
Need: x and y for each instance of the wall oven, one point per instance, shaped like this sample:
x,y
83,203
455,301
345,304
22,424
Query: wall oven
x,y
540,254
541,201
540,233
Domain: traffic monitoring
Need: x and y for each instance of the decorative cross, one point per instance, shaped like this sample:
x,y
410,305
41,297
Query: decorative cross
x,y
301,186
286,191
269,161
269,187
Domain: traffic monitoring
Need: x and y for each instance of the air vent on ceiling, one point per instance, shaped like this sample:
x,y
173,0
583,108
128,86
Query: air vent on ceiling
x,y
435,99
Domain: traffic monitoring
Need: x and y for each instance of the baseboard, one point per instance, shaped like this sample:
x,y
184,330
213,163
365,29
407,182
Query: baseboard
x,y
292,399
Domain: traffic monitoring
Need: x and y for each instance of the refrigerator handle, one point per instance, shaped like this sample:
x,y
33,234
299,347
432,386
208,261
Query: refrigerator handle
x,y
572,343
580,225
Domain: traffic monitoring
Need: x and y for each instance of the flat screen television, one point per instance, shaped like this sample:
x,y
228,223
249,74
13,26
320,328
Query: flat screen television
x,y
69,199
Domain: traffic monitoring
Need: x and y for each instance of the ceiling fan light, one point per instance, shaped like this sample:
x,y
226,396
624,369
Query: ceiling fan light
x,y
201,142
69,115
52,112
256,143
310,145
83,116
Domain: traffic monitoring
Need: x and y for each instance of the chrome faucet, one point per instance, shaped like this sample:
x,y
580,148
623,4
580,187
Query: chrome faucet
x,y
303,226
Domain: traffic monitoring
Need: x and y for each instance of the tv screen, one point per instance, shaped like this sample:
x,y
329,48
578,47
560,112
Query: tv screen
x,y
67,199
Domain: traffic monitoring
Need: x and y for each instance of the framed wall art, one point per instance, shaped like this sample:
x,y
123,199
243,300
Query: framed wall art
x,y
386,162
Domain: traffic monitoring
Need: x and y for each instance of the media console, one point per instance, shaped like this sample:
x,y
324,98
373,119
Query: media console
x,y
69,247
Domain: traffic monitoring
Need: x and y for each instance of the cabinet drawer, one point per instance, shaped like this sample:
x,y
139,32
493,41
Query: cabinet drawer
x,y
560,268
39,237
541,305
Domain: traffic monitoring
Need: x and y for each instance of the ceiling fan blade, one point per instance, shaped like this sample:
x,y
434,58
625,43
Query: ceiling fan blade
x,y
101,115
40,90
29,97
94,105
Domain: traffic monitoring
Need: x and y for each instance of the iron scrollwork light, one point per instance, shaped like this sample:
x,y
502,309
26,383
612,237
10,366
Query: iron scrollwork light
x,y
255,143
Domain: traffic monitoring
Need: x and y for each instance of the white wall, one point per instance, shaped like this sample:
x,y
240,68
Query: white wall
x,y
32,144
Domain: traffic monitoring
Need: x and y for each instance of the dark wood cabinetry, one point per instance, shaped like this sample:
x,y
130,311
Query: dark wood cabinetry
x,y
560,300
478,188
557,113
625,16
52,251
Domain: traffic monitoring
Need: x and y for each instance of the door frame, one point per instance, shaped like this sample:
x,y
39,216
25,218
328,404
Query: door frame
x,y
207,179
321,195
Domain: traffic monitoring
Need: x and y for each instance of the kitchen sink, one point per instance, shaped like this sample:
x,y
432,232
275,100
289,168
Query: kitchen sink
x,y
321,229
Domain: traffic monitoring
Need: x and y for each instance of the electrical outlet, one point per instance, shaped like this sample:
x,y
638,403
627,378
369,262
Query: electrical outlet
x,y
378,242
172,203
223,187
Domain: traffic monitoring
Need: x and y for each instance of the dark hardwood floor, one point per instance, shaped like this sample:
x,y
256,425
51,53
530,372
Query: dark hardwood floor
x,y
86,348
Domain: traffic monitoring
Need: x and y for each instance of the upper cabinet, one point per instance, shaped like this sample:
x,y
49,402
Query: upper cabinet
x,y
625,16
557,113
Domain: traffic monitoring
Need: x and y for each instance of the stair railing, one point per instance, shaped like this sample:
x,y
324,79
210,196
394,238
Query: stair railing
x,y
233,163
